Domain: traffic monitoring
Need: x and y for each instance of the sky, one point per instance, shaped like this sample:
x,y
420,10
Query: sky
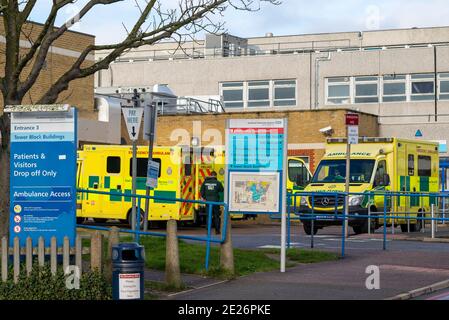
x,y
290,17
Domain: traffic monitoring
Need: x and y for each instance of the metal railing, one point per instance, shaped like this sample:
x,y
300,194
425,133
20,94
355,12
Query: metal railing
x,y
266,48
136,229
389,214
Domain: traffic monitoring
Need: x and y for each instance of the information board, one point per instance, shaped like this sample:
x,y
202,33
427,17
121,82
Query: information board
x,y
43,176
256,154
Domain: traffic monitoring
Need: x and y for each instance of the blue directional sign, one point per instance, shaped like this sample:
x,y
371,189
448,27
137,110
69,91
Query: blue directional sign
x,y
43,176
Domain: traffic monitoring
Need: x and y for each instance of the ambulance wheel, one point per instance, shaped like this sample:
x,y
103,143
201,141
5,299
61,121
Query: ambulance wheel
x,y
308,229
419,223
142,216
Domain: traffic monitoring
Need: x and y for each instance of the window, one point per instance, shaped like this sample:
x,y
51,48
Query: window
x,y
334,171
424,166
380,173
232,94
394,88
366,89
113,164
411,165
142,167
298,173
338,91
259,94
422,87
444,86
284,93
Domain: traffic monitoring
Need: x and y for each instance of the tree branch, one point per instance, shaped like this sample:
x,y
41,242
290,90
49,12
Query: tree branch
x,y
51,37
47,27
26,11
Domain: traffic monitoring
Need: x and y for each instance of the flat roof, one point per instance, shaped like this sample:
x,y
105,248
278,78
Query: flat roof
x,y
343,32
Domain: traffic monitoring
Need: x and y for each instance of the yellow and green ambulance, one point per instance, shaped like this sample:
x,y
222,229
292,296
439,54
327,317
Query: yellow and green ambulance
x,y
108,169
378,165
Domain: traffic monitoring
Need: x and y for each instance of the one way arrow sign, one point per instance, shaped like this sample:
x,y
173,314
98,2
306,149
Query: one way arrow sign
x,y
133,120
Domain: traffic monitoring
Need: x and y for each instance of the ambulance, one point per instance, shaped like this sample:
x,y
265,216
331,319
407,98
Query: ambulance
x,y
378,165
109,169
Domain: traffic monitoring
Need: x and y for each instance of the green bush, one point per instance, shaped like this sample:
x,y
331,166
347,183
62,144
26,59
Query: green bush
x,y
42,285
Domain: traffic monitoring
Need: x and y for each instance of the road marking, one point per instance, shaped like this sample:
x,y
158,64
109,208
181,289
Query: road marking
x,y
198,288
414,269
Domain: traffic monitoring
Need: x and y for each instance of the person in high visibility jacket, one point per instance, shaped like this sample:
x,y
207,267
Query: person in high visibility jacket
x,y
210,191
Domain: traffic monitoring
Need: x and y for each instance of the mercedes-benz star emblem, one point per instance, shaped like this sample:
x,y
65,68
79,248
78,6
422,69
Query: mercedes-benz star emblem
x,y
325,202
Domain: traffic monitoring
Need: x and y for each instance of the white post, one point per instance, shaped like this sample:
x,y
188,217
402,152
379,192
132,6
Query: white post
x,y
284,199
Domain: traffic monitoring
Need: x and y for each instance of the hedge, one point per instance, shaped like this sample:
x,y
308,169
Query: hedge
x,y
42,285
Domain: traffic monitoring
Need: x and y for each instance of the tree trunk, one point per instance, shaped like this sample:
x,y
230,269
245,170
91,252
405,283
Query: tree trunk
x,y
5,129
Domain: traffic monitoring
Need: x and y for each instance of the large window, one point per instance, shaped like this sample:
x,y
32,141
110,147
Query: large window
x,y
386,88
339,90
366,90
444,86
422,87
233,94
394,88
284,93
258,94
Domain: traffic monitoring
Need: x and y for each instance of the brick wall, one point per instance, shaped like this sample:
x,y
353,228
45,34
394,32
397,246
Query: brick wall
x,y
303,129
80,92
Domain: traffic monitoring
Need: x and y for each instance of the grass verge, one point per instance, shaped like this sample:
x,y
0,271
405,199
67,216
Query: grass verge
x,y
192,258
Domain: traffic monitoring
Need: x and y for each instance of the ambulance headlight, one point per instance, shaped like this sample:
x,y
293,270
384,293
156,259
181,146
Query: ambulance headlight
x,y
355,201
304,201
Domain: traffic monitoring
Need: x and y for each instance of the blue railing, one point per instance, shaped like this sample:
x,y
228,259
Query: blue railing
x,y
137,232
310,212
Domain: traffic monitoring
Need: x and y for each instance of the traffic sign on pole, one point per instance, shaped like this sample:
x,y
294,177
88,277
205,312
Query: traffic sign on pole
x,y
353,134
352,119
133,120
152,174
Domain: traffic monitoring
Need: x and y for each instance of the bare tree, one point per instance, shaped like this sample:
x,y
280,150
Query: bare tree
x,y
22,66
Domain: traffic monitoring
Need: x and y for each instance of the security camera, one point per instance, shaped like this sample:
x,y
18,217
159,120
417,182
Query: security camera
x,y
327,131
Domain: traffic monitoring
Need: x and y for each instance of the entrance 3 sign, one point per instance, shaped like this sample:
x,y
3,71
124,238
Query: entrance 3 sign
x,y
43,176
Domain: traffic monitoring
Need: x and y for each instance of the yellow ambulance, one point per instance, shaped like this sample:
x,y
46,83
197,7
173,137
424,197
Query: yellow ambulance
x,y
377,165
109,169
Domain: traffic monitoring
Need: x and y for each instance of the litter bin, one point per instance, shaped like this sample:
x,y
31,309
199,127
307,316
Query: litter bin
x,y
128,271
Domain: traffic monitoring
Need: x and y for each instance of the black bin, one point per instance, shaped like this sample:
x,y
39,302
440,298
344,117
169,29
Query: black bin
x,y
128,261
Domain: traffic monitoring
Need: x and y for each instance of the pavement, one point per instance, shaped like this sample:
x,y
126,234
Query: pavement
x,y
410,264
407,264
344,279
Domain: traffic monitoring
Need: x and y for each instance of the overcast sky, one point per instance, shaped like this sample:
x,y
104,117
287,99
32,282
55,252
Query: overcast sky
x,y
291,17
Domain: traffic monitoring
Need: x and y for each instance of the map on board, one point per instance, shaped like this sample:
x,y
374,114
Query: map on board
x,y
254,193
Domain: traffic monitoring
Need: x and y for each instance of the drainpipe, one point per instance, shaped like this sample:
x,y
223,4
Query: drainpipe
x,y
317,76
436,80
